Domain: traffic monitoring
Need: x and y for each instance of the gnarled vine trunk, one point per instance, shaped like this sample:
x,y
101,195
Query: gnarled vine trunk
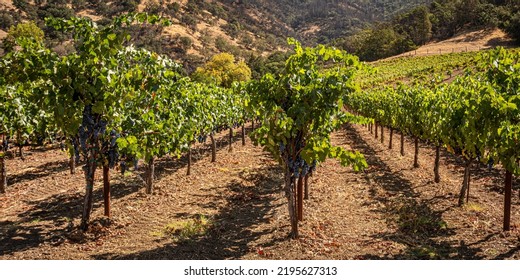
x,y
416,154
376,134
3,174
402,144
507,200
382,134
106,189
72,164
436,173
89,177
300,198
464,190
20,152
390,141
20,145
230,139
243,134
290,193
188,172
306,187
213,148
150,170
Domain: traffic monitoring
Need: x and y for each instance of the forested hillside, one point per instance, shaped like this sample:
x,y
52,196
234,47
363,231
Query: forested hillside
x,y
440,20
256,30
202,28
321,21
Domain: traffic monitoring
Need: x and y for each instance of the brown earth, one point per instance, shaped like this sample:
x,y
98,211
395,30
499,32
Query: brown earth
x,y
464,42
6,4
389,211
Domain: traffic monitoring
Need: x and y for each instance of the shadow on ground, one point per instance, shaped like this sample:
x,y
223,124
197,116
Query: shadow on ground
x,y
41,171
417,225
50,220
168,165
237,224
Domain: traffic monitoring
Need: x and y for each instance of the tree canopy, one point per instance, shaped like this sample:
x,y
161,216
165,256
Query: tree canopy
x,y
27,30
223,71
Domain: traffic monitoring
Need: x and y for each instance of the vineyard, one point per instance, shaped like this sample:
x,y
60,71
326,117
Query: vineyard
x,y
178,179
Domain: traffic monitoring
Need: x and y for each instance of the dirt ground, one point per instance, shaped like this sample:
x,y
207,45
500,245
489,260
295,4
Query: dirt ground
x,y
389,211
464,42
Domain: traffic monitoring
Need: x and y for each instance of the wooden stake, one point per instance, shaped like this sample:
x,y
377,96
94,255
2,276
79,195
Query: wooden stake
x,y
416,155
213,148
507,200
230,139
437,176
188,173
106,189
300,198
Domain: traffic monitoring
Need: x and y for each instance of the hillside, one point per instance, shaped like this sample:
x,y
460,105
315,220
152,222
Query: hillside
x,y
203,27
254,30
464,42
321,21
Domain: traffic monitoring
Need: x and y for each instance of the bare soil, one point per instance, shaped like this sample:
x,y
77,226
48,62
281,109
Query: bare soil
x,y
469,41
389,211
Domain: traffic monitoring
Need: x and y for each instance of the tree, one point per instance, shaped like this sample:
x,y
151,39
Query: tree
x,y
6,20
223,70
22,30
443,18
512,27
416,25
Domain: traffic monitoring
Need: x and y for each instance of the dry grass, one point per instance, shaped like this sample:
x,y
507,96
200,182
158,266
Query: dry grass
x,y
468,41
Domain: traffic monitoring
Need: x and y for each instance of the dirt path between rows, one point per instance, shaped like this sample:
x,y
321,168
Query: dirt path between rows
x,y
389,211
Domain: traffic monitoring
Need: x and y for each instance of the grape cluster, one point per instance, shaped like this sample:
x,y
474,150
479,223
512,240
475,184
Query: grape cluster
x,y
202,138
75,146
313,166
91,129
281,147
298,166
490,163
110,148
40,139
123,163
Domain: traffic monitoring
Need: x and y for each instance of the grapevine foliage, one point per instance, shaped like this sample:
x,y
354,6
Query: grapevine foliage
x,y
298,111
477,114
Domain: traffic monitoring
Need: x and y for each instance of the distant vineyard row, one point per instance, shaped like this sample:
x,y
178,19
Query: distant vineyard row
x,y
475,115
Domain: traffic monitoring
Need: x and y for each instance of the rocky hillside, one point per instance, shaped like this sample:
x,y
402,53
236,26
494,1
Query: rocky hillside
x,y
323,20
203,27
